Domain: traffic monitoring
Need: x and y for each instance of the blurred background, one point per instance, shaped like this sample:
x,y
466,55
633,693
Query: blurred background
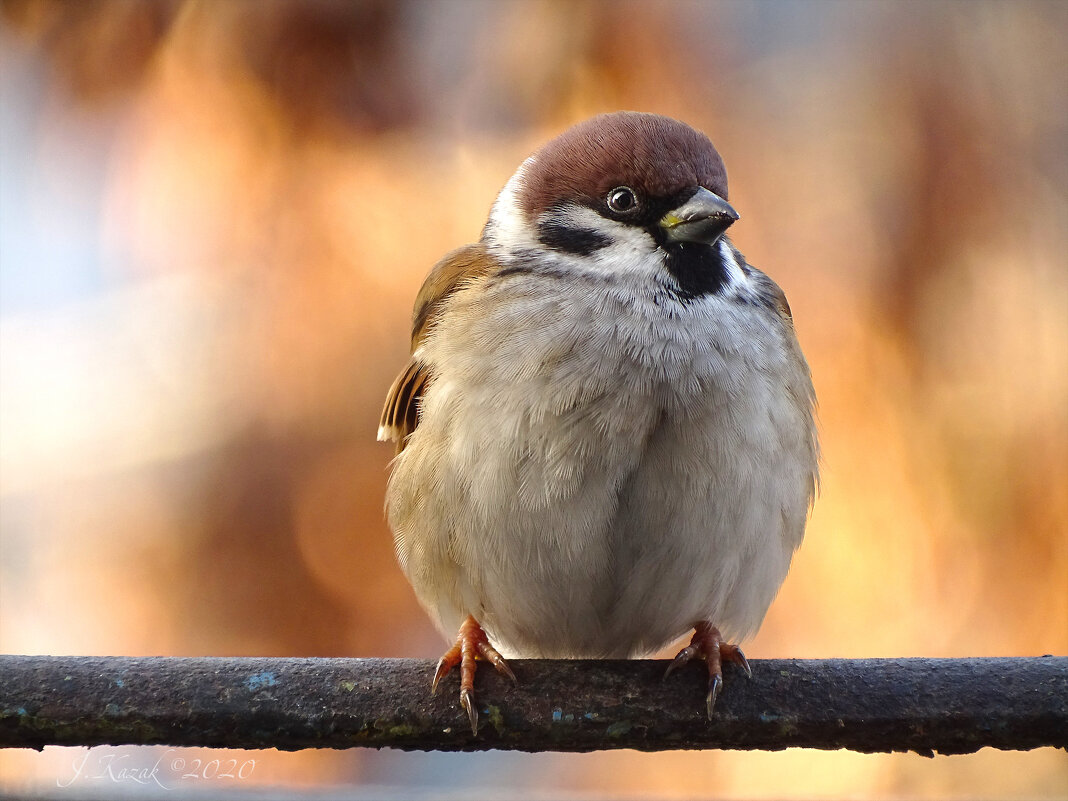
x,y
214,218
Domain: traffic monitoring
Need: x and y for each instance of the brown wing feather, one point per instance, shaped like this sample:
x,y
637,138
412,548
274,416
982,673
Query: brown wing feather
x,y
400,415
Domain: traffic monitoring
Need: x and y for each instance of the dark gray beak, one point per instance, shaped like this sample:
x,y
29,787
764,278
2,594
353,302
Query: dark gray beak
x,y
703,218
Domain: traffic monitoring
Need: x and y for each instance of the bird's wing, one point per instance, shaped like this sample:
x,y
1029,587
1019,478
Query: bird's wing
x,y
400,415
771,292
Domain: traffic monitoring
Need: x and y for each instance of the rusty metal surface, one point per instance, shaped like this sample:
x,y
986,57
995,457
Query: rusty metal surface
x,y
949,706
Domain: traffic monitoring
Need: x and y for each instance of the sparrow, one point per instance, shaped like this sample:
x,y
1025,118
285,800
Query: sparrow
x,y
605,431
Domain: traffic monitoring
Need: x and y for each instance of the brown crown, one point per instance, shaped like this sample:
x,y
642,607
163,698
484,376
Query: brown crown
x,y
655,155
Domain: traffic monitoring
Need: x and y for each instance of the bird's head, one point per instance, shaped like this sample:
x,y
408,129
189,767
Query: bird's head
x,y
614,189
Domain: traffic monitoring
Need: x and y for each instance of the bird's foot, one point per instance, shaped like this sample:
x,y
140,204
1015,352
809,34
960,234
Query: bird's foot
x,y
471,645
707,644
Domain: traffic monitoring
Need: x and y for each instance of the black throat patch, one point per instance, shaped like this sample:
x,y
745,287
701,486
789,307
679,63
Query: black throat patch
x,y
698,268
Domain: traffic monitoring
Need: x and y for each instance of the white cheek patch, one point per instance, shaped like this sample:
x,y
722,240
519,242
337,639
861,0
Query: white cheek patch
x,y
509,233
627,249
508,230
736,277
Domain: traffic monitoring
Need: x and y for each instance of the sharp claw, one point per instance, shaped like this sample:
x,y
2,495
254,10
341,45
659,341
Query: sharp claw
x,y
493,656
507,671
440,673
744,663
681,658
472,712
714,686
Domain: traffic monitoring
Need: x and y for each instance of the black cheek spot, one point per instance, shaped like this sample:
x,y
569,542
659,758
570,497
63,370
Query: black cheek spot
x,y
580,241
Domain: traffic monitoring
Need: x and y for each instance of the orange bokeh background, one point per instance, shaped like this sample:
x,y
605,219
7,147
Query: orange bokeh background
x,y
214,217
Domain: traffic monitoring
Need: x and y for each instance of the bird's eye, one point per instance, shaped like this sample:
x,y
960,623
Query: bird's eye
x,y
622,199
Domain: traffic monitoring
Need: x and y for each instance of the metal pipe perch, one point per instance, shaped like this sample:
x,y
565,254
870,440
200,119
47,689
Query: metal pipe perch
x,y
949,706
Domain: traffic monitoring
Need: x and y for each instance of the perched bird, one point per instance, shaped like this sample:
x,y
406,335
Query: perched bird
x,y
605,430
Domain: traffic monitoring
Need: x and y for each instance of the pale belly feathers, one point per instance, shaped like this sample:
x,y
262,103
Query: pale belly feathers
x,y
607,475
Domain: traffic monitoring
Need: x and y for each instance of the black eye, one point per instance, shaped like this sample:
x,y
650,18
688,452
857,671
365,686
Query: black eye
x,y
622,199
